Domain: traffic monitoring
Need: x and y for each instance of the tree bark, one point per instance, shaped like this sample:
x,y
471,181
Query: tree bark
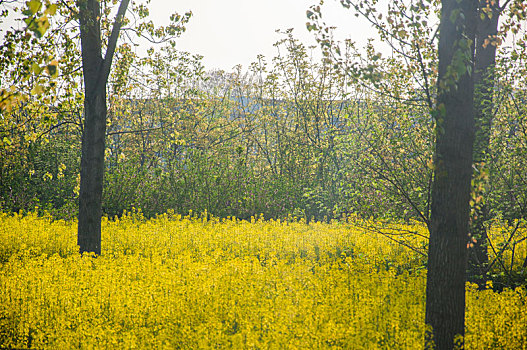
x,y
485,62
94,130
450,210
95,71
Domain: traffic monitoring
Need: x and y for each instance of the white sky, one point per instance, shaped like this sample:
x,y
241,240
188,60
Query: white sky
x,y
231,32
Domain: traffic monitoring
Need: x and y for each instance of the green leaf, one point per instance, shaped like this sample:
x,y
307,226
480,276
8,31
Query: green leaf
x,y
52,69
51,10
310,26
442,109
402,33
35,68
454,15
33,6
39,26
37,89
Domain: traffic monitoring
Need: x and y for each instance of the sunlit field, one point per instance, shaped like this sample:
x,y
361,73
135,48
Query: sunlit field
x,y
190,283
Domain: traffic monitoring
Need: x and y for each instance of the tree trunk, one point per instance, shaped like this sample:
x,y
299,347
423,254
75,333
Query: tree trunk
x,y
95,71
485,63
450,210
92,172
94,131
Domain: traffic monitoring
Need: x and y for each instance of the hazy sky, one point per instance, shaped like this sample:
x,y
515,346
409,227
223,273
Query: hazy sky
x,y
231,32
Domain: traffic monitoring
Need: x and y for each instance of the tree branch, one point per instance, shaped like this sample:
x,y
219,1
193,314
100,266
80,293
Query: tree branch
x,y
132,131
104,71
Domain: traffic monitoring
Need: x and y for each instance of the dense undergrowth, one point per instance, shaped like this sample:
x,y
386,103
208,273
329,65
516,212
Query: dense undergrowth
x,y
174,282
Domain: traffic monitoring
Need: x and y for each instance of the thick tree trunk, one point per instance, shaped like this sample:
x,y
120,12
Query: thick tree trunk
x,y
95,71
92,172
449,222
94,130
485,63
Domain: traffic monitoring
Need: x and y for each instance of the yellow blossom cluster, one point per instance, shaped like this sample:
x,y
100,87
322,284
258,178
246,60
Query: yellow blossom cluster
x,y
192,283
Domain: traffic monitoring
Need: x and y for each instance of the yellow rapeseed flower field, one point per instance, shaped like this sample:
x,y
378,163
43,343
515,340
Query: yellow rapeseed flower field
x,y
190,283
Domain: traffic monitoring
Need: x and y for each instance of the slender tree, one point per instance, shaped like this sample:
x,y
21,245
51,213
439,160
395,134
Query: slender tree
x,y
450,209
96,70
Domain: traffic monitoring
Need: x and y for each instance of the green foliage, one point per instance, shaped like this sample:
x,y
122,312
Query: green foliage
x,y
352,133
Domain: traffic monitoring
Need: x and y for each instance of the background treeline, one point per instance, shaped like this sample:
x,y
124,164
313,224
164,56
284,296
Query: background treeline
x,y
294,136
